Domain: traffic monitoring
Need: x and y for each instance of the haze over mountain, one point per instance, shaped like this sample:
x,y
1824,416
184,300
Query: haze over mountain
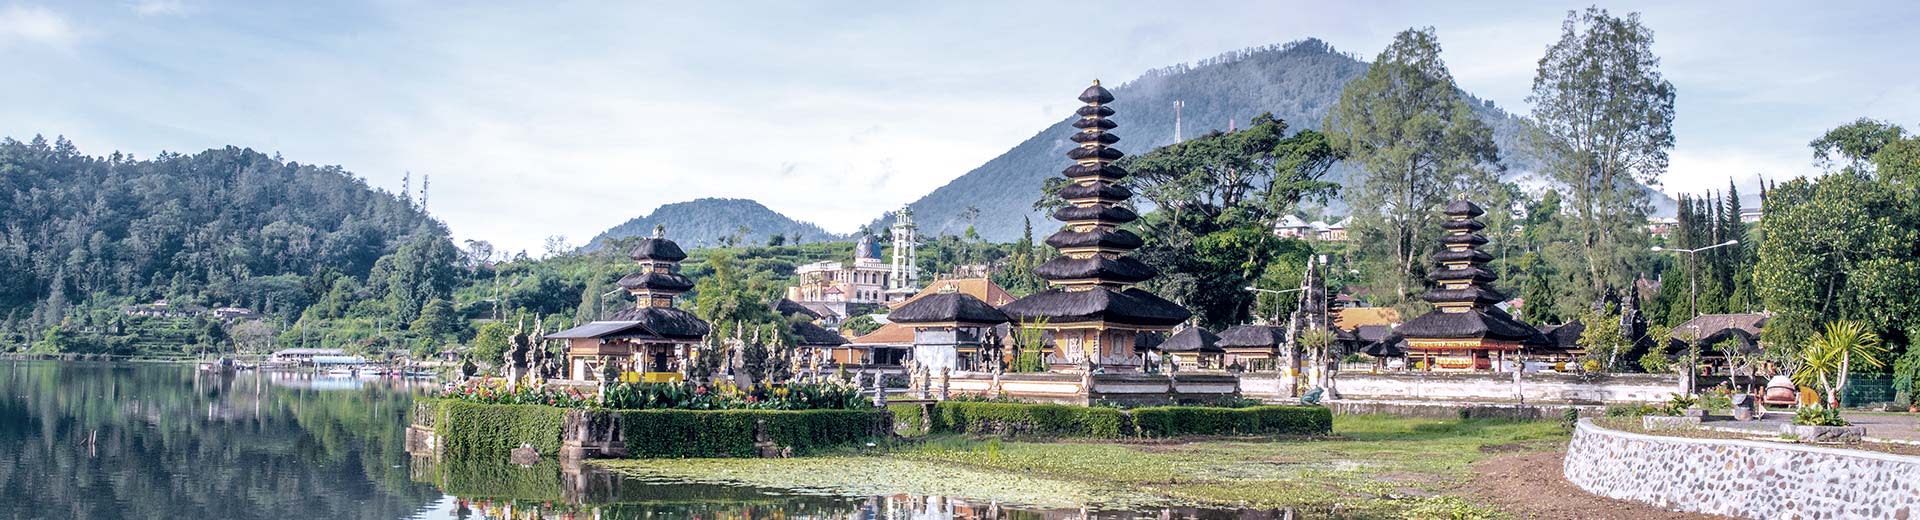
x,y
703,222
1298,82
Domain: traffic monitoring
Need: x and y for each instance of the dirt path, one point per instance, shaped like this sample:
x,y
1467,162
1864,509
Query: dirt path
x,y
1530,485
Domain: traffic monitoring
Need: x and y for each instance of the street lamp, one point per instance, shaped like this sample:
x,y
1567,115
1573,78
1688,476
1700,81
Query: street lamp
x,y
1693,286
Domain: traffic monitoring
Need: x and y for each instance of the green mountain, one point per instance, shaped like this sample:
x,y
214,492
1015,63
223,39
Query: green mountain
x,y
709,221
1298,82
225,226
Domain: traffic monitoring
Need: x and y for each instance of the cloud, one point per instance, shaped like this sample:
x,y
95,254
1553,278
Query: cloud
x,y
159,7
34,25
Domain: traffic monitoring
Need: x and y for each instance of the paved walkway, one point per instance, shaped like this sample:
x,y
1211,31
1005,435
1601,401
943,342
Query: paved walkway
x,y
1900,427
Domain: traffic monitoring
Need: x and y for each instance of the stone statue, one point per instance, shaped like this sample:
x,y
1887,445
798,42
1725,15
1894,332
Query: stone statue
x,y
945,373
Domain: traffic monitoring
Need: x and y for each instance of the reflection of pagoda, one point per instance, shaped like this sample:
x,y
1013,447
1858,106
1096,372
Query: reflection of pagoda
x,y
1092,312
1465,331
652,338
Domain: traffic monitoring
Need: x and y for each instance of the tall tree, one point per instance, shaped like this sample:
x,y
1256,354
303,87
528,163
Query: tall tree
x,y
1418,143
1604,116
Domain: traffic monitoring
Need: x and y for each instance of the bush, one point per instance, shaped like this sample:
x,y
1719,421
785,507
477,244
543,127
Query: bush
x,y
1817,415
732,433
1020,419
1634,410
479,431
1175,421
909,420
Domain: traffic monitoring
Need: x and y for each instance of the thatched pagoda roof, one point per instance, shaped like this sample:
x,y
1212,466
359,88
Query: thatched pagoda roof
x,y
657,249
1253,336
947,307
1193,339
815,336
657,281
1126,307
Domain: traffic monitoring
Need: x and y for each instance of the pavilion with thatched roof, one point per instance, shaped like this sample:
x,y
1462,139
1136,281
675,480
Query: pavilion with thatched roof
x,y
952,330
652,338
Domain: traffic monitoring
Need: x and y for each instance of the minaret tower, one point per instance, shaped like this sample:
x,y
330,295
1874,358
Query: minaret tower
x,y
906,270
1177,105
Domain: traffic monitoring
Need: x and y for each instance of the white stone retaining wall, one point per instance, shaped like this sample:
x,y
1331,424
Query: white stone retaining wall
x,y
1748,479
1536,387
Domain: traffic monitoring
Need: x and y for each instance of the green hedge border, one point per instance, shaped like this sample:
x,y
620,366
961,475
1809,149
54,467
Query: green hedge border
x,y
474,430
731,433
1072,421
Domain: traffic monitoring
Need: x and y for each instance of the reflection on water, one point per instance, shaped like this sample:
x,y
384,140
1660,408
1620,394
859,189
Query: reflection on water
x,y
99,440
555,491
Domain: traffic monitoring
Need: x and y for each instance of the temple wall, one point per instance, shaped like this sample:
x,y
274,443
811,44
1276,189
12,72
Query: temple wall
x,y
1120,388
1748,479
1539,387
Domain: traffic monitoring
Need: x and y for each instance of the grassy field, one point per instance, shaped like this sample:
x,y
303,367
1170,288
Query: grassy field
x,y
1371,467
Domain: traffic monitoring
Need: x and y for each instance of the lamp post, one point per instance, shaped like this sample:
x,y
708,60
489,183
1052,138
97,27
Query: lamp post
x,y
1693,286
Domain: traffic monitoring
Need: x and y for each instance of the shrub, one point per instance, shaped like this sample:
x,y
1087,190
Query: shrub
x,y
479,431
1634,410
909,420
666,433
1817,415
1020,419
1174,421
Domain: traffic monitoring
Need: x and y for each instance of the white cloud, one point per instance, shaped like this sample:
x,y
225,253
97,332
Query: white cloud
x,y
159,7
34,25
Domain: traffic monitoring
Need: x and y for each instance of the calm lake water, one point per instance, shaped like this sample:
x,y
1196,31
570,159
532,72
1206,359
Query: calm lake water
x,y
103,440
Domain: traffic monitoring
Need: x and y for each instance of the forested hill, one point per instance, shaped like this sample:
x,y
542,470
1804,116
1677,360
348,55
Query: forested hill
x,y
1298,82
711,222
226,226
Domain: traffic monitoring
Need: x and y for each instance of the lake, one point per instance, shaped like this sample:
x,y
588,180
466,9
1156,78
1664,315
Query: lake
x,y
126,440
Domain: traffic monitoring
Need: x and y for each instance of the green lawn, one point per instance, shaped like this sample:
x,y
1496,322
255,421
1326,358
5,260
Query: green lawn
x,y
1371,466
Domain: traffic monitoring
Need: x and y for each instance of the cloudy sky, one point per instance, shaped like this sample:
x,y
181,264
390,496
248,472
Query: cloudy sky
x,y
544,118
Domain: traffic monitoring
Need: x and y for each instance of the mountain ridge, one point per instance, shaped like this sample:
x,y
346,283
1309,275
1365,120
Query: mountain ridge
x,y
706,221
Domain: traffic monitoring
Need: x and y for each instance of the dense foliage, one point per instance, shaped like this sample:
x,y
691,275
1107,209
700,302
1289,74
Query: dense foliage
x,y
1177,421
88,235
479,431
1418,145
1027,420
732,433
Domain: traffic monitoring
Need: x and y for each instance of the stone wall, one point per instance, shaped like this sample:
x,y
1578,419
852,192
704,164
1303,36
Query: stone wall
x,y
1748,479
1488,387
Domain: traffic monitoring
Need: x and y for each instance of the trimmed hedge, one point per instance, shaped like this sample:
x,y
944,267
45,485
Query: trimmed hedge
x,y
909,420
1056,420
1022,419
1176,421
474,430
731,433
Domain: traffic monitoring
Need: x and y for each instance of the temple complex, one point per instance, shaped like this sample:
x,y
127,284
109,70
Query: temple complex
x,y
953,331
861,283
1464,331
653,338
1095,316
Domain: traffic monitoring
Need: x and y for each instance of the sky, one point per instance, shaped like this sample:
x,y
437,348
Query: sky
x,y
535,119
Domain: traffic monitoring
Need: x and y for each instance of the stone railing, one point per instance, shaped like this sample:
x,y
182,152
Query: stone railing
x,y
1533,387
1748,479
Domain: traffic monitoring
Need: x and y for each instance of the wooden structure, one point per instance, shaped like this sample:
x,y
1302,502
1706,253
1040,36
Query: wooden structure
x,y
1194,348
1465,331
953,331
1256,348
1093,315
652,340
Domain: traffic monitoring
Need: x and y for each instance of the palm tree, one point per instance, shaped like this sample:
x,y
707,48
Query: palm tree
x,y
1829,357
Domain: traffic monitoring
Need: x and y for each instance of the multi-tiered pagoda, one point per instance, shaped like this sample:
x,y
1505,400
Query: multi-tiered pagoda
x,y
1465,331
652,338
1095,315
